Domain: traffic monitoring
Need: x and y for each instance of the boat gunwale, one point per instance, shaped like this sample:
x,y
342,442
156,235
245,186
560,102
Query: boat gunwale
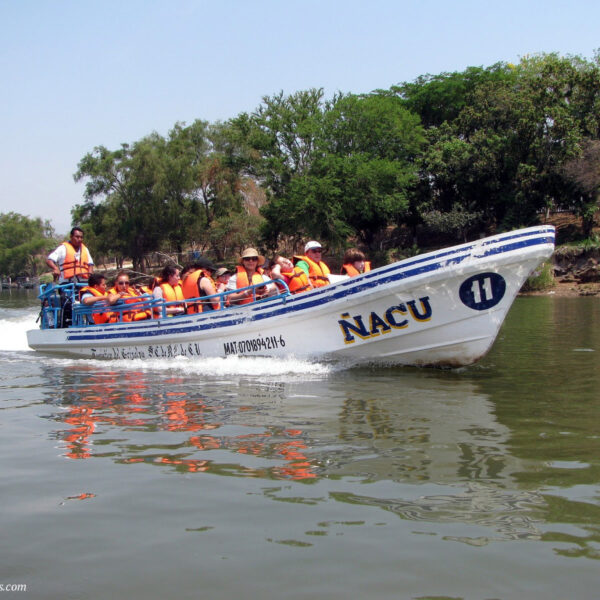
x,y
280,305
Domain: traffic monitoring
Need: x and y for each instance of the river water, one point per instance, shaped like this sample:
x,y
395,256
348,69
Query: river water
x,y
270,479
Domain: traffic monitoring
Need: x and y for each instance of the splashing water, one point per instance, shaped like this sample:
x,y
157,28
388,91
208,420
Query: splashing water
x,y
14,324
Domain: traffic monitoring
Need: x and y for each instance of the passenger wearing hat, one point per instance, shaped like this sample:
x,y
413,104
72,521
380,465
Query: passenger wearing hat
x,y
311,263
248,273
221,277
197,283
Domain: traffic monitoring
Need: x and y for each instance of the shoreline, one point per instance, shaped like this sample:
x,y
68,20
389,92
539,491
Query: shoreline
x,y
564,289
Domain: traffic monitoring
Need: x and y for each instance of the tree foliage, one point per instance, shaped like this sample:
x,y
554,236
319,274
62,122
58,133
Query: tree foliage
x,y
454,154
24,242
584,173
158,191
332,169
500,149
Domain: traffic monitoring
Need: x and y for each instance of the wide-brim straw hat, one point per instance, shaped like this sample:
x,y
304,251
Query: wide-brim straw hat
x,y
250,252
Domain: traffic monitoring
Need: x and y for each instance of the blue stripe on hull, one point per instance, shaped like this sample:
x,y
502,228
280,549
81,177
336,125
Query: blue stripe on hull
x,y
369,281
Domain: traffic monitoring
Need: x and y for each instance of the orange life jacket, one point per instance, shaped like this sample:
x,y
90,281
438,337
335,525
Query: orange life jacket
x,y
350,269
297,280
318,272
171,294
132,297
191,289
242,281
99,318
72,266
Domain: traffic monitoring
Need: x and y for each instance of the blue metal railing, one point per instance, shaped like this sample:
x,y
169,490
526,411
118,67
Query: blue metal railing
x,y
61,306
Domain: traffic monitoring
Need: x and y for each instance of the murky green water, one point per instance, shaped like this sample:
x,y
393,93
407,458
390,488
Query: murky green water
x,y
285,479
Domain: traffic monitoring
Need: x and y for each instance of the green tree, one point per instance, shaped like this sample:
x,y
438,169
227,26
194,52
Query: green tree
x,y
369,148
275,146
278,139
501,151
441,98
205,158
24,243
159,191
125,179
584,173
332,169
230,234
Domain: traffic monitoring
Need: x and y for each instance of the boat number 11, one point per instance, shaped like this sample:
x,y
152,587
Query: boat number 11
x,y
482,291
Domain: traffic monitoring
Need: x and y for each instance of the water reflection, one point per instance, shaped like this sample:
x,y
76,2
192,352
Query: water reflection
x,y
544,380
424,428
126,416
508,513
438,428
413,427
497,449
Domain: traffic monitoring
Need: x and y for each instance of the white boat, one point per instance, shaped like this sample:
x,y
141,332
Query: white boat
x,y
443,308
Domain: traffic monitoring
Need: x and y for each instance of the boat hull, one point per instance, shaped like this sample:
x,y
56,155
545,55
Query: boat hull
x,y
443,308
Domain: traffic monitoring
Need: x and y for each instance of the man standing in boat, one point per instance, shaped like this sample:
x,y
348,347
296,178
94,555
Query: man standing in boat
x,y
71,262
311,263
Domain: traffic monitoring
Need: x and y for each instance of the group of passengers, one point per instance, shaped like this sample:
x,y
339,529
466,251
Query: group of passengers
x,y
199,286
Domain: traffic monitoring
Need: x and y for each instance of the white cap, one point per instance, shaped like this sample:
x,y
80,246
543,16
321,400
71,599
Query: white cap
x,y
312,246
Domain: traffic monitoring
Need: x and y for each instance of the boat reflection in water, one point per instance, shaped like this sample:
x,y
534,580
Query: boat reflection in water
x,y
423,446
123,416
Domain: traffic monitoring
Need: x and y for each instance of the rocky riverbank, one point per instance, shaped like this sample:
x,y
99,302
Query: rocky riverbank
x,y
576,272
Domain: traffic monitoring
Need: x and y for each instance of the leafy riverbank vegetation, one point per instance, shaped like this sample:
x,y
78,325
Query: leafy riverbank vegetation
x,y
24,243
443,159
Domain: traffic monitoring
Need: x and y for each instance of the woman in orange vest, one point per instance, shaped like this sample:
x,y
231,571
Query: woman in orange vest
x,y
355,263
197,283
130,296
312,265
95,293
169,290
295,278
249,272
